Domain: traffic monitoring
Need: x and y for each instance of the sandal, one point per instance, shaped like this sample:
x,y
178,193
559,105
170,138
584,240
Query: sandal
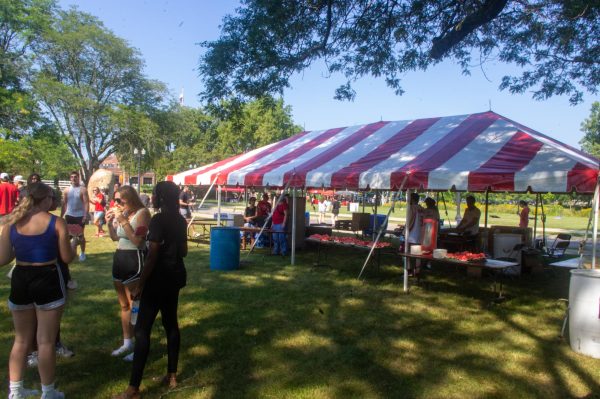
x,y
167,381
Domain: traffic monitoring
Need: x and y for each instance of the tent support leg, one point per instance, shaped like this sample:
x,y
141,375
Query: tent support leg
x,y
294,204
535,218
595,229
219,189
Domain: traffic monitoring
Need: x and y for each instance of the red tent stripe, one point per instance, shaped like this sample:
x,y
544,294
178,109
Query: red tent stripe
x,y
498,172
255,177
349,176
191,178
440,152
261,154
335,150
582,178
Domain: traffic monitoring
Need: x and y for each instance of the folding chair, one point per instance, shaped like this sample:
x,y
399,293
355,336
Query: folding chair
x,y
559,246
513,256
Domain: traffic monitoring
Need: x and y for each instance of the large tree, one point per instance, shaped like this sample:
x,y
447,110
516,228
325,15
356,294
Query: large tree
x,y
90,81
554,42
591,127
21,22
245,126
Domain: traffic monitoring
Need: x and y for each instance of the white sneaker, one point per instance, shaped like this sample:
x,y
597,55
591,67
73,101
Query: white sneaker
x,y
122,350
63,351
53,394
23,393
72,284
82,257
32,359
129,358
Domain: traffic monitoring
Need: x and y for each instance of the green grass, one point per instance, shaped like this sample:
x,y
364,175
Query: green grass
x,y
271,330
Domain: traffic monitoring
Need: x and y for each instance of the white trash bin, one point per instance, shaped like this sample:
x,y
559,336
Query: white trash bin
x,y
584,312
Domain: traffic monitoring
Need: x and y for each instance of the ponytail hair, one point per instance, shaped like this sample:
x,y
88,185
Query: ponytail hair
x,y
31,196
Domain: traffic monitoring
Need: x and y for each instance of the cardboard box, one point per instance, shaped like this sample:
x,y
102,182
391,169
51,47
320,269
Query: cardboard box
x,y
360,221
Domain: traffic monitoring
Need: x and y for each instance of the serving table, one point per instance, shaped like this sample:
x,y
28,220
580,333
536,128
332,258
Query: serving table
x,y
323,246
474,268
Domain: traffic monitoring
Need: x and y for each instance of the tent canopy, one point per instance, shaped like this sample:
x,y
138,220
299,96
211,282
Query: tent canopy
x,y
465,152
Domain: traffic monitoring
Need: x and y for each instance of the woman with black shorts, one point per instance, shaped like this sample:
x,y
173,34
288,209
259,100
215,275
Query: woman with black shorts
x,y
163,276
38,240
127,224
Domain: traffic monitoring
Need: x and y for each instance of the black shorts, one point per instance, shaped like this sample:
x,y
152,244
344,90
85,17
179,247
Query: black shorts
x,y
75,220
128,265
42,287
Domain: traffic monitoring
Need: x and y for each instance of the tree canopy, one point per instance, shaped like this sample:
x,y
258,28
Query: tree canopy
x,y
553,42
591,127
87,79
21,23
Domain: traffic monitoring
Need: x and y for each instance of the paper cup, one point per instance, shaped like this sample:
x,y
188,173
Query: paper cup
x,y
416,250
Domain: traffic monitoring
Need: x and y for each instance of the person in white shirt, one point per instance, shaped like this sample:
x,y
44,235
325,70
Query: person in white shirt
x,y
75,209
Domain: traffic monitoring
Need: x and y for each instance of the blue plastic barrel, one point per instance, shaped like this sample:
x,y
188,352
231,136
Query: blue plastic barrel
x,y
375,221
224,248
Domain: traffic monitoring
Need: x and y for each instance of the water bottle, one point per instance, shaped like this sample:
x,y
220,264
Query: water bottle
x,y
135,308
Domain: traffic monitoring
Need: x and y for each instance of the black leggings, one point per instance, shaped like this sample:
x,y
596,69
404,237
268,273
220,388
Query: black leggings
x,y
150,303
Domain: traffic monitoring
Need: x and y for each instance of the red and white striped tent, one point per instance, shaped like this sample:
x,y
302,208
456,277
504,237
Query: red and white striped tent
x,y
464,152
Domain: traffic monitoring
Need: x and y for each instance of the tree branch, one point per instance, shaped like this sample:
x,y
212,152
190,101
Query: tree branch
x,y
489,10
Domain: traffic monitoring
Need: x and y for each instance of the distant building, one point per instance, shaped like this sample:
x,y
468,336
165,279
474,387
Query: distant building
x,y
112,163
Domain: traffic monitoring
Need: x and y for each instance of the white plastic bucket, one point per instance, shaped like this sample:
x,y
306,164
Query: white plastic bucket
x,y
584,312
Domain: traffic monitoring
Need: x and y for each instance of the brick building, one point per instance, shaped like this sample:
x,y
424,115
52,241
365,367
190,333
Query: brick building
x,y
112,163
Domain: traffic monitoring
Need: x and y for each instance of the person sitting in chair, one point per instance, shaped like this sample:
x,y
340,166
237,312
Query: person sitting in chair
x,y
469,225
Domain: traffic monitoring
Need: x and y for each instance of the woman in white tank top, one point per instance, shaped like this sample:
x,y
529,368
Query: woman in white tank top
x,y
128,224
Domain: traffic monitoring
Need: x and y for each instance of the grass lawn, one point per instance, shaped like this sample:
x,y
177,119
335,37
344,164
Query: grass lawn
x,y
270,330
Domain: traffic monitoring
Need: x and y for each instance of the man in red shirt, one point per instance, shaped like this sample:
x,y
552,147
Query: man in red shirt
x,y
9,195
263,209
99,207
280,215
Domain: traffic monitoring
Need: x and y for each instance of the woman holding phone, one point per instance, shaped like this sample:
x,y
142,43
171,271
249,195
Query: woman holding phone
x,y
128,224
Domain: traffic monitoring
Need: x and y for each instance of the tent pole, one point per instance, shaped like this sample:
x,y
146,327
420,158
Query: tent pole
x,y
457,199
269,216
203,199
543,220
374,244
487,193
219,188
595,237
535,218
294,204
446,209
406,234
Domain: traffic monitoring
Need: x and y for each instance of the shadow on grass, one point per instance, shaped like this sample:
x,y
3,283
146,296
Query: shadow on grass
x,y
274,330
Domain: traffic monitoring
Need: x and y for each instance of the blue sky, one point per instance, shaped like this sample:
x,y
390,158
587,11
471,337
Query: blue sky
x,y
167,34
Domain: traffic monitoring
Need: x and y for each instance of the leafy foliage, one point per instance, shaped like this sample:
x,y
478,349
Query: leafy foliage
x,y
91,82
20,24
591,127
554,42
43,155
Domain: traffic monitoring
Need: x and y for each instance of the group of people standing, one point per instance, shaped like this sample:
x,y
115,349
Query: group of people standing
x,y
325,205
257,215
147,267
